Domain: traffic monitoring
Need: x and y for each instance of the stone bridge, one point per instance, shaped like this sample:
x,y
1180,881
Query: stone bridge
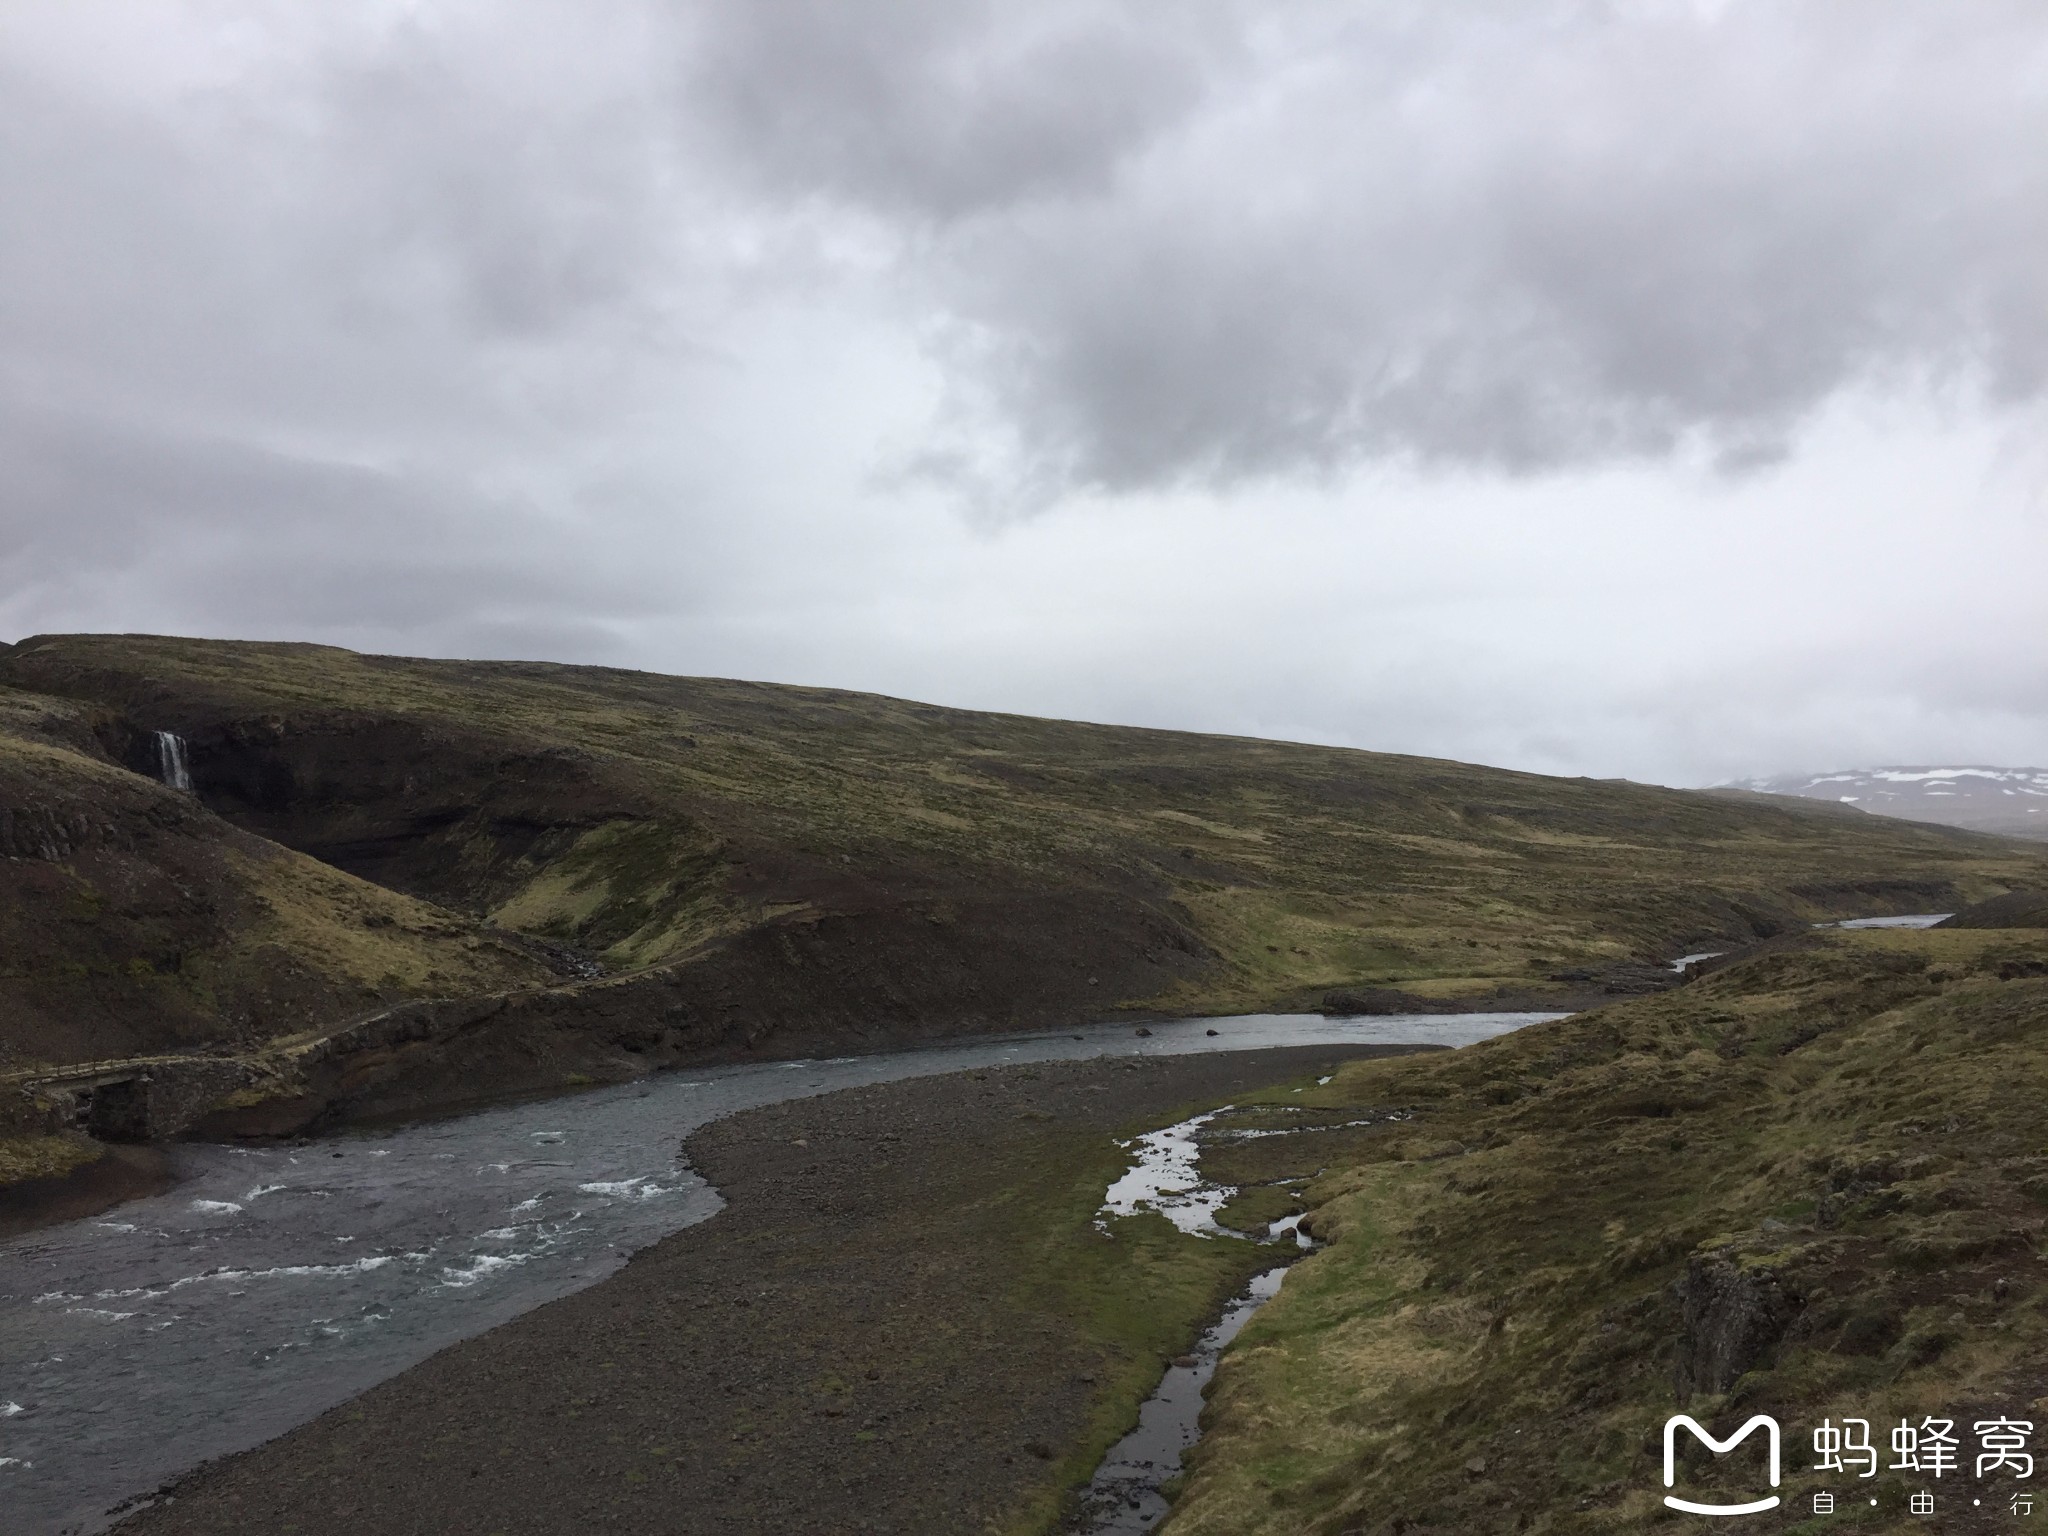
x,y
152,1098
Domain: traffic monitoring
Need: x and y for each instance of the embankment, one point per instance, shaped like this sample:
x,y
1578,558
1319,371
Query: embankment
x,y
1811,1185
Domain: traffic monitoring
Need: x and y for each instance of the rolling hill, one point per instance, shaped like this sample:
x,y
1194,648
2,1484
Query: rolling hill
x,y
396,884
1809,1183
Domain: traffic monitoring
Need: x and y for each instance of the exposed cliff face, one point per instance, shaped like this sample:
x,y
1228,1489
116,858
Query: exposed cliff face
x,y
1732,1318
135,920
445,815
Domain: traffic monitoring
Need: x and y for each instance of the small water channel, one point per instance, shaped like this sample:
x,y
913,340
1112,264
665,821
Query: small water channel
x,y
277,1281
1125,1496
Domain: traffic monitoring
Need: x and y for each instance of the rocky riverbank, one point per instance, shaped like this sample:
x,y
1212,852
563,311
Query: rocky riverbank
x,y
84,1188
905,1321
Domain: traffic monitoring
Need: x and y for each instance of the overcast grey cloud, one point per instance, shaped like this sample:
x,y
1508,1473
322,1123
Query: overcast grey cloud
x,y
1513,235
1627,387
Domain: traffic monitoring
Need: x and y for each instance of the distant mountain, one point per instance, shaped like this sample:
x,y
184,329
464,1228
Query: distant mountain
x,y
2013,801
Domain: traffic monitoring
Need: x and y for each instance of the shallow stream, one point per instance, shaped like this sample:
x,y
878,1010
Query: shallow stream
x,y
1124,1497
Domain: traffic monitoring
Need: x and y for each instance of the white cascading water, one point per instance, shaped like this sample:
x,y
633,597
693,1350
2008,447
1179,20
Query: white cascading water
x,y
170,761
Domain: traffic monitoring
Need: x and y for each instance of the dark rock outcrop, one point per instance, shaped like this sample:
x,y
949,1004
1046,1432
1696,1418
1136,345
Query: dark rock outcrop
x,y
1733,1319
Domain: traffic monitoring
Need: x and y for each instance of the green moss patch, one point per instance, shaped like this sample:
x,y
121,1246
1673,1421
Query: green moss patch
x,y
44,1156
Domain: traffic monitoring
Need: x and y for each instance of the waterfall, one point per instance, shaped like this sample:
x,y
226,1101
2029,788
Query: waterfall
x,y
170,761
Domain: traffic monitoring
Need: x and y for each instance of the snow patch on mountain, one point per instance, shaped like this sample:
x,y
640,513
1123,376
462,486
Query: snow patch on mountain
x,y
2013,801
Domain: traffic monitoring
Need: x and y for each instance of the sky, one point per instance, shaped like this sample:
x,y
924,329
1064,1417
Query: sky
x,y
1644,388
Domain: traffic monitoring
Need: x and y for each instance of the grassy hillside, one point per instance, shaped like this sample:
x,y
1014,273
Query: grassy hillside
x,y
642,816
1808,1182
2014,909
1811,1184
697,866
135,920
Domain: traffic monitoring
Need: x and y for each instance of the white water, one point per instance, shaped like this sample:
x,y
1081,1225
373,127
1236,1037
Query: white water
x,y
171,766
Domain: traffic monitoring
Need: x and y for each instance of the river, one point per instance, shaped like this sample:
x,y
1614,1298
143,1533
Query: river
x,y
278,1280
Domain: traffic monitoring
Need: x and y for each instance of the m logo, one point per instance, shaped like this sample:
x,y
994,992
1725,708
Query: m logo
x,y
1718,1447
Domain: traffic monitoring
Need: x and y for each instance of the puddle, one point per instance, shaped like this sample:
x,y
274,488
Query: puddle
x,y
1166,1179
1292,1224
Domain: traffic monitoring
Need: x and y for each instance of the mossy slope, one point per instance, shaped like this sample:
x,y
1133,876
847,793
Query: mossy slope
x,y
647,819
1810,1185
